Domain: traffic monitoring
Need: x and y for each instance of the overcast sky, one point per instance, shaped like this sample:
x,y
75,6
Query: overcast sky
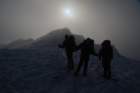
x,y
117,20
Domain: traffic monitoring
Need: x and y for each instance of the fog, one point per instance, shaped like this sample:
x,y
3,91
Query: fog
x,y
117,20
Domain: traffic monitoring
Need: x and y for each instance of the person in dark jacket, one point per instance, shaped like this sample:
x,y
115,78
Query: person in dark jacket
x,y
106,56
86,48
69,45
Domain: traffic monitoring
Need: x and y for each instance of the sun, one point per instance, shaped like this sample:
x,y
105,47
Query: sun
x,y
68,12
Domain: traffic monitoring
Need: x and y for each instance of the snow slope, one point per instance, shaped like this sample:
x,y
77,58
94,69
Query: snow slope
x,y
44,71
20,43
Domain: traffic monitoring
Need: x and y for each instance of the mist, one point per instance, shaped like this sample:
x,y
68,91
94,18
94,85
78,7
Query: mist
x,y
117,20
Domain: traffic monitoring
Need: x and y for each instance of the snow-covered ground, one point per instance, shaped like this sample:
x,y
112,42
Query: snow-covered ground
x,y
44,71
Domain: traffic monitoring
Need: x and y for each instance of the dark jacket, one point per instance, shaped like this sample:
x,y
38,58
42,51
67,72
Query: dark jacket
x,y
69,44
106,53
87,47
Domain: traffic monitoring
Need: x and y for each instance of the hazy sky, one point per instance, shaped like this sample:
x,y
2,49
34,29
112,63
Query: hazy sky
x,y
118,20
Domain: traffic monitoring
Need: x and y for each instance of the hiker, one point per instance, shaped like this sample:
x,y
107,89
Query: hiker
x,y
106,56
86,48
69,45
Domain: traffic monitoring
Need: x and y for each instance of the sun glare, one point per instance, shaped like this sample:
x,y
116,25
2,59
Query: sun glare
x,y
68,12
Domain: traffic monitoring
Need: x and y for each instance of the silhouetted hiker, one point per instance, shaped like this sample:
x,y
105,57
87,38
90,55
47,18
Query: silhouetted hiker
x,y
69,45
106,55
87,48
